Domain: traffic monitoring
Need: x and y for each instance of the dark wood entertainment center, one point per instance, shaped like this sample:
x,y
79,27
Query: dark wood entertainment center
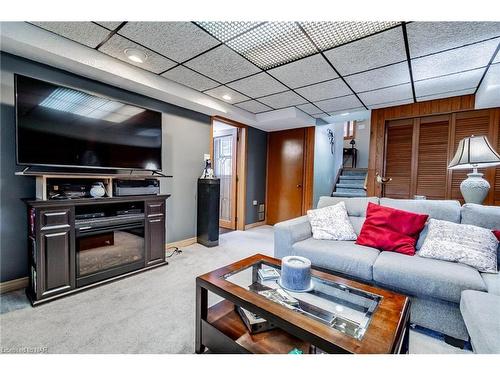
x,y
59,243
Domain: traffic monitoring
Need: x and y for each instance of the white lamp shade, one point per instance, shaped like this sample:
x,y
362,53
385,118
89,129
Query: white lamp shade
x,y
474,152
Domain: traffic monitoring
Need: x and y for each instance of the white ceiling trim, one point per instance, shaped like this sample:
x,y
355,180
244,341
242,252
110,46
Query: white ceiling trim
x,y
26,40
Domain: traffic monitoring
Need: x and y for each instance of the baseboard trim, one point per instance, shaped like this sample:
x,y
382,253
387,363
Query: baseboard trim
x,y
257,224
182,243
11,285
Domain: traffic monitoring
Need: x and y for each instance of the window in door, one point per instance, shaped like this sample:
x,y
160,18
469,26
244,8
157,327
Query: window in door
x,y
224,148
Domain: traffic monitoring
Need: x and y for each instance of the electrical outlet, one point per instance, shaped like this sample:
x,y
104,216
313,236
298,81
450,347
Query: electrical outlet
x,y
261,216
255,203
261,208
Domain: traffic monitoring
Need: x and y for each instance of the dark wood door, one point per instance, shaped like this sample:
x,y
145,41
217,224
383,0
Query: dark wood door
x,y
398,158
56,260
155,232
285,175
432,156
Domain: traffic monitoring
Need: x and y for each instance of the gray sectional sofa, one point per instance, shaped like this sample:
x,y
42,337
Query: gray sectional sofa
x,y
434,286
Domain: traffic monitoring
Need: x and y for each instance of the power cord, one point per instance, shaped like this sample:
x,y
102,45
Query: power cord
x,y
175,250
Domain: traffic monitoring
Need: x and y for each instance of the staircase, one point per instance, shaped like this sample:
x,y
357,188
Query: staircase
x,y
350,183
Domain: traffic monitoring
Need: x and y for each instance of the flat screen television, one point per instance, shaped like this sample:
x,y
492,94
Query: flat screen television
x,y
59,126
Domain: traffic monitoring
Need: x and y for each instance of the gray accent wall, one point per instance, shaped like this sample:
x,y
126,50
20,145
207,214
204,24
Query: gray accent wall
x,y
186,138
326,164
256,173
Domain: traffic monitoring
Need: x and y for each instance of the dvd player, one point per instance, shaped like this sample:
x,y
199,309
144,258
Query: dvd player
x,y
149,186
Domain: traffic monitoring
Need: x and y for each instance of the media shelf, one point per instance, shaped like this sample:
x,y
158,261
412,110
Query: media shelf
x,y
75,244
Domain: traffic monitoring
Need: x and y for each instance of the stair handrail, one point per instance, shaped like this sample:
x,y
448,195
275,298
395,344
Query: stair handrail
x,y
337,178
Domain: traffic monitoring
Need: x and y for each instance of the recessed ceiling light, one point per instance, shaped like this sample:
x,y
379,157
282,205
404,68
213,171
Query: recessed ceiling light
x,y
135,55
226,97
345,114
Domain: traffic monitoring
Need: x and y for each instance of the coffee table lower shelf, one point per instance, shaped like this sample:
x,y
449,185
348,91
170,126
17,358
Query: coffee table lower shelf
x,y
225,332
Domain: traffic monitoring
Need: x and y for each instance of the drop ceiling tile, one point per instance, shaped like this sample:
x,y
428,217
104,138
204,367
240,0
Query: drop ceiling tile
x,y
273,43
389,94
220,91
331,34
222,64
431,37
227,30
454,61
381,49
325,90
190,78
178,41
390,104
253,106
339,104
447,94
111,25
497,58
87,33
116,46
378,78
282,100
304,72
454,82
310,109
258,85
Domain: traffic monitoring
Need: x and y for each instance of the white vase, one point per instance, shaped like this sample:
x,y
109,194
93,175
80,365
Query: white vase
x,y
474,188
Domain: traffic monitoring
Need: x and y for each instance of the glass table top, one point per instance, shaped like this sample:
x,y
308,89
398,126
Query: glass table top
x,y
341,307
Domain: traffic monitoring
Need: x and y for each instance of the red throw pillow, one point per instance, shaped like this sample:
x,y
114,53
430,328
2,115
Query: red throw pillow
x,y
389,229
496,232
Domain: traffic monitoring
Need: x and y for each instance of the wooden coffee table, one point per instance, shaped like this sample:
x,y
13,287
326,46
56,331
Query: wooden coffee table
x,y
337,316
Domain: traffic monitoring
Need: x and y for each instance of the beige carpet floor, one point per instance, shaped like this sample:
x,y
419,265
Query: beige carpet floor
x,y
152,312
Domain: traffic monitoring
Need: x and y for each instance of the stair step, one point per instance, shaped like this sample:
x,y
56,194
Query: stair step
x,y
352,177
350,186
350,190
348,195
353,172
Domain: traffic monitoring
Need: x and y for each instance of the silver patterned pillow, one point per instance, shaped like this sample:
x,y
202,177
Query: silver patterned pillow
x,y
331,223
468,244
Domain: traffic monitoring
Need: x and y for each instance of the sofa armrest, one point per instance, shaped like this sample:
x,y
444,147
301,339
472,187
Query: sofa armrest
x,y
289,232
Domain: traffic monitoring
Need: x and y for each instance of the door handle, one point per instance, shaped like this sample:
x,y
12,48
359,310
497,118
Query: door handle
x,y
299,186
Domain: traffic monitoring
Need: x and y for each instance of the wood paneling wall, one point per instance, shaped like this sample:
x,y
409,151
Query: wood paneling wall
x,y
435,124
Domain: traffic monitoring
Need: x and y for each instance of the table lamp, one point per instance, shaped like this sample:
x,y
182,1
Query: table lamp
x,y
474,152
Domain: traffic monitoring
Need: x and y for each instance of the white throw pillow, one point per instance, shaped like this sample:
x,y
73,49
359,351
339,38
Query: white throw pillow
x,y
462,243
331,223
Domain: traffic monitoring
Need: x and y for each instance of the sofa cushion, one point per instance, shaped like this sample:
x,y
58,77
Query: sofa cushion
x,y
492,282
480,312
482,216
339,256
355,206
448,210
426,277
390,229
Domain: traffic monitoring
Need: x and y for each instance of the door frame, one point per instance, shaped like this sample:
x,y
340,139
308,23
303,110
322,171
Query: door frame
x,y
241,166
308,170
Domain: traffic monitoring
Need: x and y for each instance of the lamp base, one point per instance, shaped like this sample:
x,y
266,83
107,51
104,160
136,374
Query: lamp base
x,y
475,188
